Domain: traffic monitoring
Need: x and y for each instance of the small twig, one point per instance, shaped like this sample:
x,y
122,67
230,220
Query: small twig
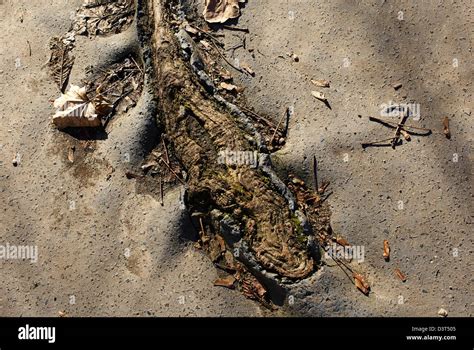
x,y
278,125
203,232
174,173
315,174
161,191
167,158
237,29
399,128
227,61
136,64
376,142
257,116
29,47
394,124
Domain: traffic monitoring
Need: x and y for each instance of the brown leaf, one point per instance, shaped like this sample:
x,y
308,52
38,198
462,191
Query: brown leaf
x,y
386,250
361,283
219,11
400,275
75,110
321,83
342,241
227,282
231,87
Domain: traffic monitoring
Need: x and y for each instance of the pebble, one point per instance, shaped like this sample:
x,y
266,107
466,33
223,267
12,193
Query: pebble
x,y
442,312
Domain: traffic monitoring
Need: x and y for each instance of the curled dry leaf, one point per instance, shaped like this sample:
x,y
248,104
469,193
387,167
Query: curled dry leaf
x,y
386,250
361,283
400,275
227,282
342,241
220,11
321,83
319,95
446,129
70,155
231,87
74,109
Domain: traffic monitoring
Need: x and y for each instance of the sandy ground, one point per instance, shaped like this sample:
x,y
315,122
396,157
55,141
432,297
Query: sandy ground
x,y
108,248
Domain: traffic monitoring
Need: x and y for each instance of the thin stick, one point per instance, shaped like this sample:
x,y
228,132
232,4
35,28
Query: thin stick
x,y
237,29
278,125
397,124
136,64
202,227
399,128
166,150
257,116
226,60
29,47
176,175
375,142
315,174
161,191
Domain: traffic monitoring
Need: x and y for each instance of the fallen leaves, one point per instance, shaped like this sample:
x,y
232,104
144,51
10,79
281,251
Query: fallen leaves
x,y
61,60
98,17
75,109
220,11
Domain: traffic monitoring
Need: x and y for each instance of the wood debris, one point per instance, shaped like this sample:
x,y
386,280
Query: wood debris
x,y
446,130
70,155
386,250
231,87
400,275
247,68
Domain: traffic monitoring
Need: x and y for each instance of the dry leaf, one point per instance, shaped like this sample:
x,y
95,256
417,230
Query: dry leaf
x,y
231,87
70,155
386,250
361,283
61,61
446,129
225,75
400,275
62,313
219,11
321,83
342,241
319,95
75,110
227,282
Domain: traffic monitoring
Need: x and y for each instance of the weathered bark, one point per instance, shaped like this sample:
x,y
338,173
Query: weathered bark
x,y
250,207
